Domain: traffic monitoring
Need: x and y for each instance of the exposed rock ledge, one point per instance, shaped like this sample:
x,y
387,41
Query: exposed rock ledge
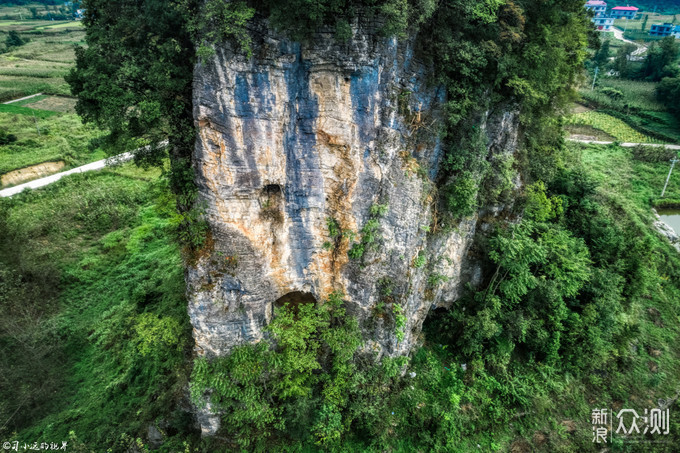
x,y
666,231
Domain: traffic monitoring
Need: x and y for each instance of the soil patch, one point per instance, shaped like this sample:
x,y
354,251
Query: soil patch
x,y
30,173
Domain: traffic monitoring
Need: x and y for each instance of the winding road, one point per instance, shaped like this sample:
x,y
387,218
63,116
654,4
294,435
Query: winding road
x,y
618,34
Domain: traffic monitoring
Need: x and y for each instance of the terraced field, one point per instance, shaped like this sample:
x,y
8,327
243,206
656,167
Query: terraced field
x,y
611,126
42,134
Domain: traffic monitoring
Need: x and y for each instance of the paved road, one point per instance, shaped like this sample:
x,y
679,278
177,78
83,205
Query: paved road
x,y
98,165
625,145
36,183
640,48
21,99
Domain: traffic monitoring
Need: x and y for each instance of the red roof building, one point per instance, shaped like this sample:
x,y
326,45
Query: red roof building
x,y
627,12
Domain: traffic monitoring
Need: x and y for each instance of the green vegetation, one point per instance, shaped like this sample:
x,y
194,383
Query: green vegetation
x,y
273,389
134,80
94,325
46,137
481,55
611,125
668,91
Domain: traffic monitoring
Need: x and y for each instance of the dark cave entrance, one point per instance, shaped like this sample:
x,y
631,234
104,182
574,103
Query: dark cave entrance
x,y
294,300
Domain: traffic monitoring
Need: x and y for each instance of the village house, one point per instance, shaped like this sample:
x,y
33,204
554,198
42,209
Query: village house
x,y
598,7
624,12
661,29
603,23
676,32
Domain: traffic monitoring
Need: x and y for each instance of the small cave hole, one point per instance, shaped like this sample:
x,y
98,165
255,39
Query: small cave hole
x,y
270,202
272,189
435,325
294,300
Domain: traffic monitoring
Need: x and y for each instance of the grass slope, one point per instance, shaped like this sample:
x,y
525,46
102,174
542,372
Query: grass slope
x,y
117,327
61,137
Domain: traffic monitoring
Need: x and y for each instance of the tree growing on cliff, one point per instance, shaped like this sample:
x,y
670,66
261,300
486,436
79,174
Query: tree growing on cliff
x,y
134,80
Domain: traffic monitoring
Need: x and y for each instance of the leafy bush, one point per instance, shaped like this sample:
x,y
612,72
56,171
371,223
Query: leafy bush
x,y
7,138
370,236
612,93
272,387
653,154
13,39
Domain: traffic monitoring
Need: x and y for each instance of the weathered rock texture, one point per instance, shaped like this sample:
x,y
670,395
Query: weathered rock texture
x,y
299,134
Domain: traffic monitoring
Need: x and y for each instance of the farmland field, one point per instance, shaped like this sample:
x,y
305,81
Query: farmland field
x,y
635,94
43,129
634,102
41,64
611,126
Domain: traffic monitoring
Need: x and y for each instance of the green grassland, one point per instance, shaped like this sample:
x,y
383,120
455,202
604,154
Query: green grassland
x,y
94,322
57,137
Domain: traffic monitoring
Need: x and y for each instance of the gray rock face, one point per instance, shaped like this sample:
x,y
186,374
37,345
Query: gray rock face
x,y
666,231
302,133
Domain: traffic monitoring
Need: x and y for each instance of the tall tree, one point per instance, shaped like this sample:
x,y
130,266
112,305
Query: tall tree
x,y
622,61
661,60
134,80
668,92
13,39
602,55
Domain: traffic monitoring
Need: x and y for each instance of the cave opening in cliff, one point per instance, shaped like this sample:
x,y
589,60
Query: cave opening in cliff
x,y
272,189
294,300
435,324
270,203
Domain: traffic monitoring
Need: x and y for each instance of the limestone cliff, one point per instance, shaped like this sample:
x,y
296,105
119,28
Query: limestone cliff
x,y
302,135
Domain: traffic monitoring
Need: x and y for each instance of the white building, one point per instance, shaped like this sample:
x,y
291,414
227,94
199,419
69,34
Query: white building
x,y
598,7
603,23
